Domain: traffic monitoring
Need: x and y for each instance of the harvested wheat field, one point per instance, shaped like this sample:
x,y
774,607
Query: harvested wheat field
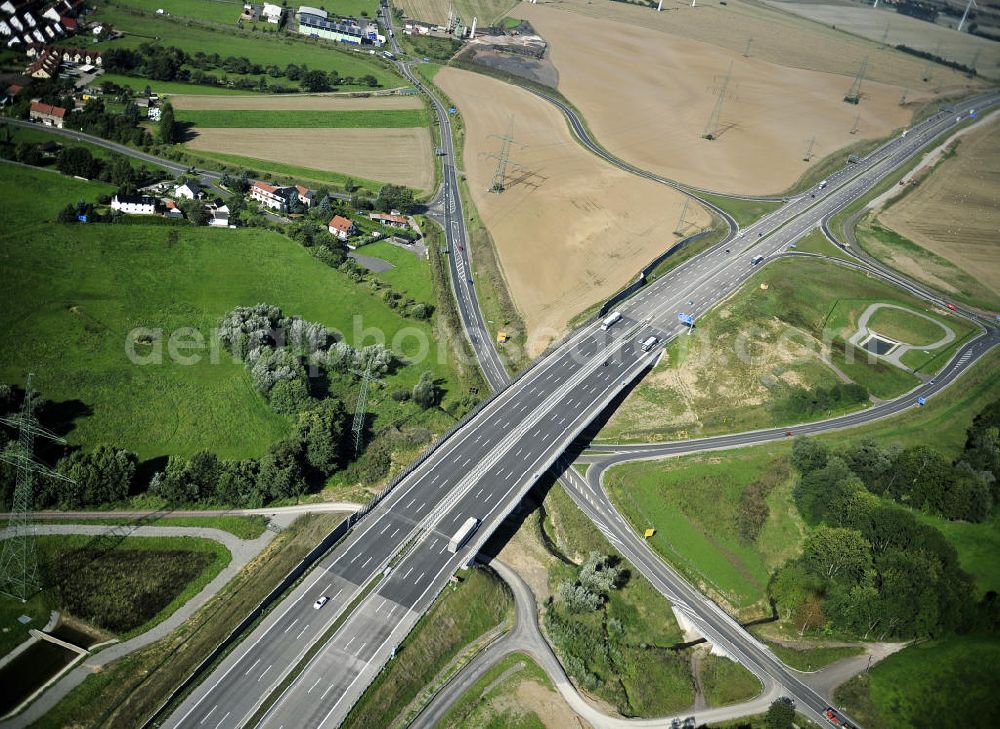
x,y
778,37
399,156
898,29
436,11
650,97
292,102
954,211
570,230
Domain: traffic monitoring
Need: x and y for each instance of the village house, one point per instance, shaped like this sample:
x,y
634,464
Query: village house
x,y
45,65
271,196
134,204
220,214
306,196
272,13
190,190
342,227
393,221
172,211
82,56
50,116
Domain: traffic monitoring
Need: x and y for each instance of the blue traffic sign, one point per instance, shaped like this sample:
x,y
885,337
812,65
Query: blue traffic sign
x,y
686,319
452,110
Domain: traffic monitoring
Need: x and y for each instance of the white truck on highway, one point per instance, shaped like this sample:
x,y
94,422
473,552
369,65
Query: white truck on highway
x,y
755,260
612,319
463,534
649,343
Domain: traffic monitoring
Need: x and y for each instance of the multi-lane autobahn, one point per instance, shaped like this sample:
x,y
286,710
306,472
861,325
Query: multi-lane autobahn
x,y
381,578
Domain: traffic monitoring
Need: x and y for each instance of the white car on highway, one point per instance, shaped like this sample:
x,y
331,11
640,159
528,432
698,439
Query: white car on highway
x,y
320,603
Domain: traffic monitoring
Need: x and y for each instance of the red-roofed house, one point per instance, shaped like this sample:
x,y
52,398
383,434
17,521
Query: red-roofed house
x,y
68,23
50,116
393,221
271,196
14,89
342,227
306,196
45,65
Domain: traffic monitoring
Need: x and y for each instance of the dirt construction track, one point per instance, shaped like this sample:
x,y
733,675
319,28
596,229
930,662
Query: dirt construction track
x,y
570,230
650,97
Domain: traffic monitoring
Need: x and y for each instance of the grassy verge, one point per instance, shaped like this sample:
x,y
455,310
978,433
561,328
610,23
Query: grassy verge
x,y
744,211
943,683
833,162
726,682
816,242
491,289
276,171
126,692
813,659
165,88
289,119
244,527
494,700
38,135
460,615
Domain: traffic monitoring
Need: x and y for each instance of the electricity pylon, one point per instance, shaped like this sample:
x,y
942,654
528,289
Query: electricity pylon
x,y
682,222
503,159
809,150
18,558
712,128
358,427
854,95
902,99
857,124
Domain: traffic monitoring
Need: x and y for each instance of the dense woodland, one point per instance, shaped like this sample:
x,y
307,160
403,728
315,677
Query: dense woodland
x,y
870,567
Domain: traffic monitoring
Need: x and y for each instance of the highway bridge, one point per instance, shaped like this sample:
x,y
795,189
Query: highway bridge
x,y
389,569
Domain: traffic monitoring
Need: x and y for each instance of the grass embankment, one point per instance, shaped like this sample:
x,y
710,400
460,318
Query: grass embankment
x,y
946,683
816,242
744,211
623,652
917,262
129,690
165,88
726,682
266,49
905,327
292,119
98,282
216,11
244,527
409,274
39,135
498,700
750,357
121,586
461,615
693,504
833,162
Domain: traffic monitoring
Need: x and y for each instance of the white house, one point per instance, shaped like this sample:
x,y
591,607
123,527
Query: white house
x,y
154,113
272,13
275,198
306,196
220,215
134,204
341,227
190,190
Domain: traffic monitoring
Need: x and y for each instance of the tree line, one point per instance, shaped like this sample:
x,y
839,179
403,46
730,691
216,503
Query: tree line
x,y
169,63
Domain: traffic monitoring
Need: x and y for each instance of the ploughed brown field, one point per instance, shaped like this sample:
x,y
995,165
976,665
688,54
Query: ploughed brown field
x,y
570,230
955,210
292,102
647,84
399,156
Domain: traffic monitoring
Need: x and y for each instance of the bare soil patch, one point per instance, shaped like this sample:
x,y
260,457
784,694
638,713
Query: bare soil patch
x,y
294,102
955,211
648,96
399,156
570,230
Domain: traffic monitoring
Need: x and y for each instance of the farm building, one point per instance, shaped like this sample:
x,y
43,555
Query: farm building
x,y
50,116
341,227
134,204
